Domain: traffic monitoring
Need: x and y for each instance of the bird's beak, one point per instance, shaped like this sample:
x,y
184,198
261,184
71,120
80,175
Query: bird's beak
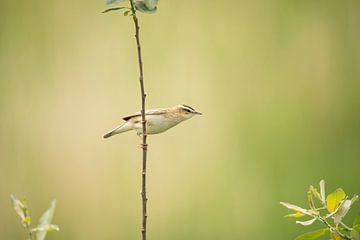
x,y
198,113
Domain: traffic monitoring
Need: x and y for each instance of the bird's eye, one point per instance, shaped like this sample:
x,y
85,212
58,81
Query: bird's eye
x,y
187,110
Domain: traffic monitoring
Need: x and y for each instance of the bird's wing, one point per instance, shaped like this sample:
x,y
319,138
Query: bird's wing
x,y
157,111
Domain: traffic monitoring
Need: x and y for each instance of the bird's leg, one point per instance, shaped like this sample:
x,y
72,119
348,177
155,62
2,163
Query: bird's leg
x,y
139,135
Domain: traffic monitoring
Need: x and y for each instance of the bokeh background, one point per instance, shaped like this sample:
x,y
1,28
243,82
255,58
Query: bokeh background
x,y
278,83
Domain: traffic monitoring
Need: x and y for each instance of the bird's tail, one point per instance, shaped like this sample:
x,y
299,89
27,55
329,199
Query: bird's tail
x,y
126,126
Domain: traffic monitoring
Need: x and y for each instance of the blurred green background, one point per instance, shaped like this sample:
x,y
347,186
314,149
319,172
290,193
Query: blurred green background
x,y
278,83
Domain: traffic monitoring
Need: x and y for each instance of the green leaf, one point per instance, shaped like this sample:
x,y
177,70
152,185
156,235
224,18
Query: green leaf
x,y
354,199
357,228
355,235
306,223
18,207
314,192
335,236
113,1
151,4
333,200
322,192
342,211
21,209
141,6
113,9
313,235
47,228
356,220
295,215
27,220
45,222
297,209
53,228
126,13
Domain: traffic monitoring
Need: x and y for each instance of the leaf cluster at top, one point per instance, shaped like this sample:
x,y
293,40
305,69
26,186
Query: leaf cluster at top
x,y
145,6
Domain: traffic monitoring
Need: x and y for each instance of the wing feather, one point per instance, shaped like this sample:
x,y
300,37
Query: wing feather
x,y
157,111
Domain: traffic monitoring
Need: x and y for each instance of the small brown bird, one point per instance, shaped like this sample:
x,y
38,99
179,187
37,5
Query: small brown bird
x,y
157,120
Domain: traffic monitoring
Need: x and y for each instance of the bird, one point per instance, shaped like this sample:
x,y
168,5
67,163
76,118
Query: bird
x,y
158,120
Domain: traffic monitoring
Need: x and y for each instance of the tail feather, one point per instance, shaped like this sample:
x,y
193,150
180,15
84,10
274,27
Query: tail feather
x,y
120,129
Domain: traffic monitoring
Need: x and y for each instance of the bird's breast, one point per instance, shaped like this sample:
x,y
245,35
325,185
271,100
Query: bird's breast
x,y
157,124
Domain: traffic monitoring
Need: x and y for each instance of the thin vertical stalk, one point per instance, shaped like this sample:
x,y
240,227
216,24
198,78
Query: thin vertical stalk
x,y
27,223
144,136
30,235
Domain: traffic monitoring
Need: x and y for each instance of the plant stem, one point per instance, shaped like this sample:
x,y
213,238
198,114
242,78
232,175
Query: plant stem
x,y
30,235
27,224
144,136
347,228
333,229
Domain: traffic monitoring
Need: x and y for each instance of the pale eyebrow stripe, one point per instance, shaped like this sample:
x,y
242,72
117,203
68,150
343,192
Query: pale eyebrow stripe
x,y
186,106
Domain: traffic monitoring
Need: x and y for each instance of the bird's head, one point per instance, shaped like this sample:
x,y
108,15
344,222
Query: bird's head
x,y
186,111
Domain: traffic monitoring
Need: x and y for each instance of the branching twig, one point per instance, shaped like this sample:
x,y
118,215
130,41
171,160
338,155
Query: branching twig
x,y
347,228
336,204
144,136
27,226
333,229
